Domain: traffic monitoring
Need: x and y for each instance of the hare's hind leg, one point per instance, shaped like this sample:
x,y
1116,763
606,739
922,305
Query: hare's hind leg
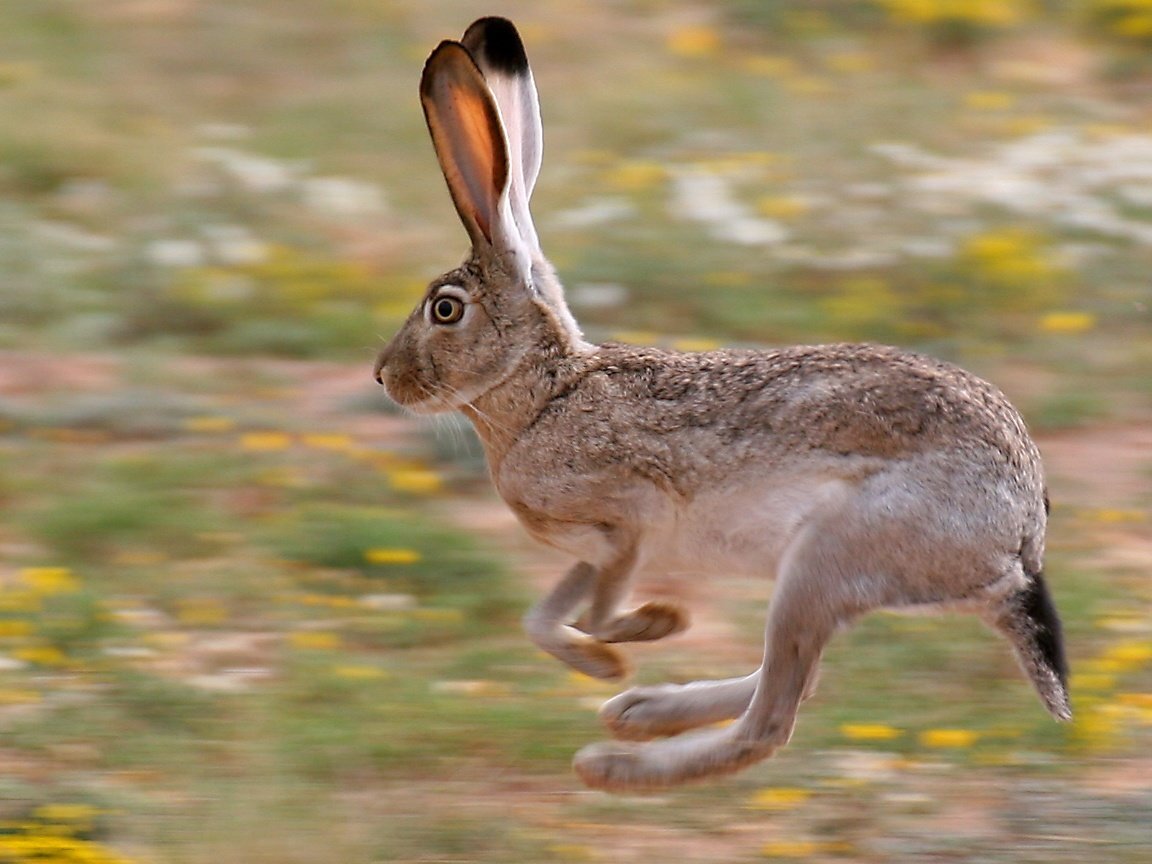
x,y
815,595
669,709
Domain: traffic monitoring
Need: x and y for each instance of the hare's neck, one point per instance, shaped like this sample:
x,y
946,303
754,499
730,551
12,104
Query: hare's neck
x,y
501,415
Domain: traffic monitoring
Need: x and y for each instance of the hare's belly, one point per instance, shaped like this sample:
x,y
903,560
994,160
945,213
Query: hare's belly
x,y
738,530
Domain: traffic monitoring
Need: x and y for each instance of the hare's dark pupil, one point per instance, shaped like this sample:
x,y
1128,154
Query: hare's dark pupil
x,y
447,310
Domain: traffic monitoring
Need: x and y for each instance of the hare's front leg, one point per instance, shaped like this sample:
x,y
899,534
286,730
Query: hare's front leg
x,y
647,622
547,626
583,646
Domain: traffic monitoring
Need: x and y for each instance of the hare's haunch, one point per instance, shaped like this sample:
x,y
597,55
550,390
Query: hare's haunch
x,y
860,477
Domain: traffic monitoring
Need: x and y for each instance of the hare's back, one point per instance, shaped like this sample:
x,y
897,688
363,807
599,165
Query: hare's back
x,y
851,399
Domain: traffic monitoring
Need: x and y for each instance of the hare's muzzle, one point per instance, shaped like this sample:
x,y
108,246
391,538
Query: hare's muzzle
x,y
382,361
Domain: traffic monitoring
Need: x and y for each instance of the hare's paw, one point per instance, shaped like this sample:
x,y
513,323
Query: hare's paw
x,y
599,660
590,657
650,621
643,713
613,767
617,767
575,648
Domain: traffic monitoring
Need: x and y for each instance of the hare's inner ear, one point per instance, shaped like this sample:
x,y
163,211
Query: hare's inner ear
x,y
470,142
499,52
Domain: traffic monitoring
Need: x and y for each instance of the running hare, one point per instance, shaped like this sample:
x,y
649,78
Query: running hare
x,y
860,477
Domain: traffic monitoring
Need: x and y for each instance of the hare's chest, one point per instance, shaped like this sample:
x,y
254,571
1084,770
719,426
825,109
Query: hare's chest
x,y
741,525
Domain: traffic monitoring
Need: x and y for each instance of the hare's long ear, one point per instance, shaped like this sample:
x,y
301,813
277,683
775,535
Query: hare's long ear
x,y
499,52
470,143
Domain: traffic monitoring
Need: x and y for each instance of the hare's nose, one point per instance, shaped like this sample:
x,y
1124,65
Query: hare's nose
x,y
381,362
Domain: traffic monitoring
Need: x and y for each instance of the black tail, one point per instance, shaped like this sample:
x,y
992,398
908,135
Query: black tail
x,y
1049,634
1033,626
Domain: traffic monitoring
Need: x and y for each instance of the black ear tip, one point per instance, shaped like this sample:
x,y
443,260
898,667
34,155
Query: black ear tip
x,y
499,43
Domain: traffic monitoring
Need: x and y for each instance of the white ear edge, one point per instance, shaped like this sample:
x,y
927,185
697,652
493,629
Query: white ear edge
x,y
498,51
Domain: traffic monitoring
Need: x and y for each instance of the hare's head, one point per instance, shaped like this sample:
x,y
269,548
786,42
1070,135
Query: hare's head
x,y
478,323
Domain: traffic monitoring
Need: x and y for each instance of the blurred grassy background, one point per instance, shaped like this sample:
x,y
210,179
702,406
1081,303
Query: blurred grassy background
x,y
247,613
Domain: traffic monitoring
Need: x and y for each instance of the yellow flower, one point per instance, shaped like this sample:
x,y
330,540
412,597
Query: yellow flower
x,y
573,852
209,424
636,176
693,41
1009,256
984,13
339,443
386,555
869,732
1097,726
790,849
1067,322
949,738
989,100
17,696
41,655
696,344
264,442
586,683
76,817
1127,656
782,206
314,640
49,580
1096,681
1112,516
201,612
779,798
415,481
1134,25
637,337
14,629
20,601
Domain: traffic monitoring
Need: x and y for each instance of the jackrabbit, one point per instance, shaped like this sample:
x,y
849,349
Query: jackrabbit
x,y
860,477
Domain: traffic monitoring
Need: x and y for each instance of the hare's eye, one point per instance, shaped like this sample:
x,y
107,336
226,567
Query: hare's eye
x,y
447,310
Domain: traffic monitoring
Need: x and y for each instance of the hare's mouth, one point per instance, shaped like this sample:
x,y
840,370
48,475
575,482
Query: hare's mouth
x,y
422,398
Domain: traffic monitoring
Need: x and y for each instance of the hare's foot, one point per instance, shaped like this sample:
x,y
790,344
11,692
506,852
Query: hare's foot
x,y
646,623
618,767
642,713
